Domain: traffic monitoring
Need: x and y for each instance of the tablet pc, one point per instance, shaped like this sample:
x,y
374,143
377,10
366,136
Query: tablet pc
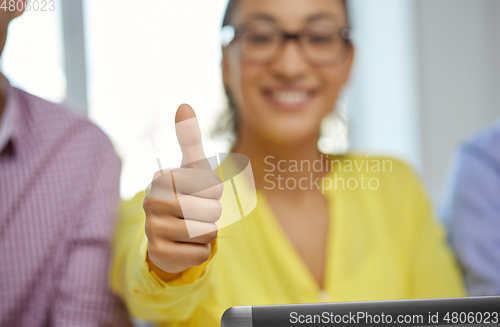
x,y
472,311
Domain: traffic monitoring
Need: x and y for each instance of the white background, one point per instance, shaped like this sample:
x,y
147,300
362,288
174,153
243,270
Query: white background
x,y
426,76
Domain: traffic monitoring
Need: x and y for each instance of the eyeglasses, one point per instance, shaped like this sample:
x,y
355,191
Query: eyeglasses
x,y
260,42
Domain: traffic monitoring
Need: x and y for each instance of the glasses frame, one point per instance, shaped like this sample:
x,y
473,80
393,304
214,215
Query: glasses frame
x,y
230,37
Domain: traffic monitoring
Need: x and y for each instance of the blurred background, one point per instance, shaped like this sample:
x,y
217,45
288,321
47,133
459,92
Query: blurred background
x,y
427,73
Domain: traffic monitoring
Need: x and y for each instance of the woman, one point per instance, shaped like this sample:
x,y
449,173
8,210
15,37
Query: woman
x,y
351,228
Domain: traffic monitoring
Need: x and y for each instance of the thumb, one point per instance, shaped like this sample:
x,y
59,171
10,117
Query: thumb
x,y
189,137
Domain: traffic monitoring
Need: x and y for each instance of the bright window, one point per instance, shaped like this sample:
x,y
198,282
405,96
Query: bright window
x,y
145,59
33,56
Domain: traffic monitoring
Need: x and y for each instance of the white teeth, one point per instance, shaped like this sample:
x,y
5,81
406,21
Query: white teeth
x,y
290,97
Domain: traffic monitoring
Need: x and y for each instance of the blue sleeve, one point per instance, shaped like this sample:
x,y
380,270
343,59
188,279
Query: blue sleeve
x,y
472,215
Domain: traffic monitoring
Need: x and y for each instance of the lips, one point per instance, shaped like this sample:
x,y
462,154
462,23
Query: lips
x,y
289,99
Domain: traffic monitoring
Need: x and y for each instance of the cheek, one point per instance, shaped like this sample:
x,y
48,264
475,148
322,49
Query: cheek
x,y
247,84
251,75
332,81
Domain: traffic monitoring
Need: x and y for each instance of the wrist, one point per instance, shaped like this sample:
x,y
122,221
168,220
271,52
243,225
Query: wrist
x,y
162,274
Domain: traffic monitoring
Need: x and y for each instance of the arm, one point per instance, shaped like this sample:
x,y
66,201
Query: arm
x,y
472,213
435,272
175,230
83,297
147,296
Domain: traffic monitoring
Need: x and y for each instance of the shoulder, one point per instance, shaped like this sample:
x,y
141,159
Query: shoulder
x,y
48,118
391,184
394,200
484,146
49,124
475,169
384,167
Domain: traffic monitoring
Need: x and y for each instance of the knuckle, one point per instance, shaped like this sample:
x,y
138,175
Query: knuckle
x,y
162,182
157,227
151,227
202,256
157,175
217,210
216,186
147,204
216,178
161,177
212,235
219,190
155,207
168,253
153,251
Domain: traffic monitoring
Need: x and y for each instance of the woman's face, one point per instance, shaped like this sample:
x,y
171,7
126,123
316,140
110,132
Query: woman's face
x,y
285,100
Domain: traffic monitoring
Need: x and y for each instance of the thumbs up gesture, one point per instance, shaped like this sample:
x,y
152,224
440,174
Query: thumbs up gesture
x,y
183,205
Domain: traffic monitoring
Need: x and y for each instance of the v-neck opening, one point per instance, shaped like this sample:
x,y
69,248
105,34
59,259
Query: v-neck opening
x,y
333,210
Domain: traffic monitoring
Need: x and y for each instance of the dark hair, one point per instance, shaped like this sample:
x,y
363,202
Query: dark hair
x,y
229,120
233,4
231,8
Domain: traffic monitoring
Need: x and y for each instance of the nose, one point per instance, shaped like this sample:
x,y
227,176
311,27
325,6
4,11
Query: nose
x,y
290,64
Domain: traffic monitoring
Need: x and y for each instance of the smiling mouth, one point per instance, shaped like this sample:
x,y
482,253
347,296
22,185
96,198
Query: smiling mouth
x,y
289,99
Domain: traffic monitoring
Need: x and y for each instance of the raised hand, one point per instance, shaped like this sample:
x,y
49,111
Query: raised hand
x,y
183,205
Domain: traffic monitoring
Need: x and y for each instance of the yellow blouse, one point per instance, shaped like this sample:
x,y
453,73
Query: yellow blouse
x,y
383,244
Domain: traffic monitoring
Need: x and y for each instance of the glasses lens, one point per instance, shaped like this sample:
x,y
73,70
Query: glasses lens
x,y
260,42
324,46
